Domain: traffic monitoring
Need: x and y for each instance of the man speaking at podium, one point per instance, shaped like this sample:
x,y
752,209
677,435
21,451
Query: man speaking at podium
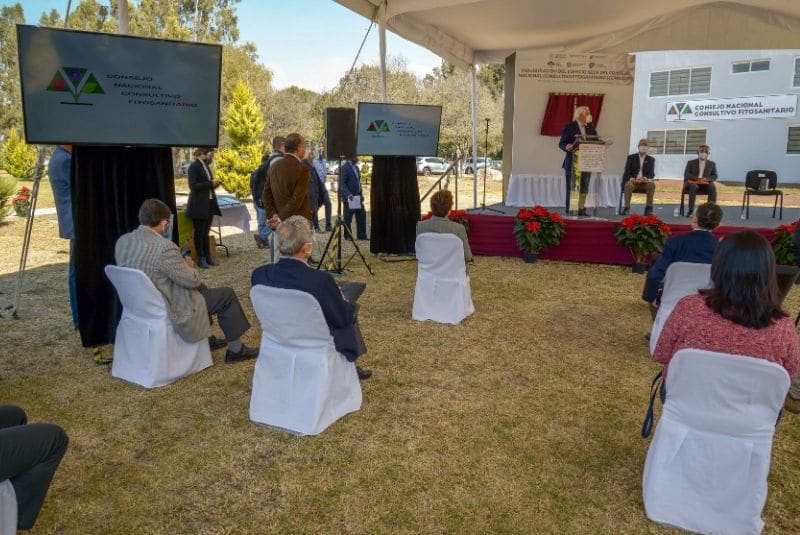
x,y
578,130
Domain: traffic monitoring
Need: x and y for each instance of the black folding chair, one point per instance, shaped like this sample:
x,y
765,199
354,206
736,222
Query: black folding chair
x,y
761,183
701,190
639,188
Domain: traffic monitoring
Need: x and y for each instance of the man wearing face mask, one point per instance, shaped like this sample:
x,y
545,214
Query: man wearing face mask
x,y
639,172
190,302
579,129
699,177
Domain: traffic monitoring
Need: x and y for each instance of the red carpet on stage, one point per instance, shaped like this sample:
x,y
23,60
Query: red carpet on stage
x,y
585,240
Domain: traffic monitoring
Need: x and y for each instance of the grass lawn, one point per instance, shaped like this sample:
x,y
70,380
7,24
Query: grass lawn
x,y
523,419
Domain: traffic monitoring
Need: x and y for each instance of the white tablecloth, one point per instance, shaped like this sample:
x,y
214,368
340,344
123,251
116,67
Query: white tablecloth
x,y
549,190
234,212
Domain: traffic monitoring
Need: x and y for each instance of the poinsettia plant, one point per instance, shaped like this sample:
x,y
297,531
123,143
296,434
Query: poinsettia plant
x,y
22,201
643,235
782,244
537,229
458,216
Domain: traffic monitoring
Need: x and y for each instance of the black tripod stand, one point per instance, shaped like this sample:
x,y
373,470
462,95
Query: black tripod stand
x,y
340,232
486,169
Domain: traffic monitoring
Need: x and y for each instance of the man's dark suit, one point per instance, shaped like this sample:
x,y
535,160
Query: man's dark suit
x,y
351,185
571,132
692,171
632,167
340,315
697,246
286,189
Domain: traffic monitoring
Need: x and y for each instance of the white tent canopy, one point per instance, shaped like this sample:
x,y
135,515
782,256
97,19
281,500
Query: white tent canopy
x,y
468,32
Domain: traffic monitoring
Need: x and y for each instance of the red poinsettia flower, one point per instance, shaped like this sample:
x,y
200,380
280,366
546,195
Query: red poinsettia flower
x,y
539,211
533,226
524,214
555,217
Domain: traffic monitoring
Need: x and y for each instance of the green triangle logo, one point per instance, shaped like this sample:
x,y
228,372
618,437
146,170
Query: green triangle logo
x,y
92,86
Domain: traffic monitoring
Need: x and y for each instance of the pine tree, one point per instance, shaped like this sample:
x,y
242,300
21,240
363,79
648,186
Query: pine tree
x,y
244,124
17,157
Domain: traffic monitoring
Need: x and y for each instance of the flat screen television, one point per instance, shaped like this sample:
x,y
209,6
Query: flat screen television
x,y
397,129
103,89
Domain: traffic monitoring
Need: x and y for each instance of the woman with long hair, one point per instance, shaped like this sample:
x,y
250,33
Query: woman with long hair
x,y
740,314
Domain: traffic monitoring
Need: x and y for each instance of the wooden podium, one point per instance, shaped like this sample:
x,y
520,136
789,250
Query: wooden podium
x,y
588,157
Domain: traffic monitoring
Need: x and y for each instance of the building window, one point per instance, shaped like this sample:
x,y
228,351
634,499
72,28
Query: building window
x,y
680,141
758,65
793,143
680,82
796,82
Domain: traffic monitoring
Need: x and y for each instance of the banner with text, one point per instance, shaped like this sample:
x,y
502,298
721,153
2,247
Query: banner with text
x,y
562,67
765,107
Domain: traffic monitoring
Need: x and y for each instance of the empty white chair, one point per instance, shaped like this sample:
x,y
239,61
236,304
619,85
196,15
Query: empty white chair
x,y
682,279
707,467
147,350
300,383
442,292
8,508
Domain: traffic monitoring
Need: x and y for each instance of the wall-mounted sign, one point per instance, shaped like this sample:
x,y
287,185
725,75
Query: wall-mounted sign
x,y
596,68
764,107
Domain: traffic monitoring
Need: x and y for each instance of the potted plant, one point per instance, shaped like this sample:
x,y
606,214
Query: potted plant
x,y
782,244
458,216
537,229
22,201
644,236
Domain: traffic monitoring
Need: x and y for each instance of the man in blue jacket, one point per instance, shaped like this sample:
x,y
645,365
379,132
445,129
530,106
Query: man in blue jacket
x,y
351,187
697,246
295,242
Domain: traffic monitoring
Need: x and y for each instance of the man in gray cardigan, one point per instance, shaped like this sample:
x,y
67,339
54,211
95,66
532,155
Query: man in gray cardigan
x,y
189,301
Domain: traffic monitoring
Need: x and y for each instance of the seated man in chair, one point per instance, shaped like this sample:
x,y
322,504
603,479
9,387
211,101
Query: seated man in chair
x,y
699,177
292,272
640,168
191,303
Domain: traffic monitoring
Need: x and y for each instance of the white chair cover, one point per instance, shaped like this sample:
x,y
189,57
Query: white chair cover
x,y
682,279
443,292
300,383
147,350
8,508
706,469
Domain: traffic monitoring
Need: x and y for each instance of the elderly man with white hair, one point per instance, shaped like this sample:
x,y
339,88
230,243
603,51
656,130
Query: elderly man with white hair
x,y
578,130
295,242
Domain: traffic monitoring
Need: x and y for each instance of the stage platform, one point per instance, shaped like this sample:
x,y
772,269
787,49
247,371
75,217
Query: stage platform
x,y
591,239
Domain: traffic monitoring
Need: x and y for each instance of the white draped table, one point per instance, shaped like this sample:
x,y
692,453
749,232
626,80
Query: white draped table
x,y
549,190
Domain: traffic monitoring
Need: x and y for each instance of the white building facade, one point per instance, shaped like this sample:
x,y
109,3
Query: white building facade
x,y
741,103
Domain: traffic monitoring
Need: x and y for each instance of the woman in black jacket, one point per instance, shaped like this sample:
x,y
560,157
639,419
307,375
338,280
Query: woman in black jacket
x,y
202,205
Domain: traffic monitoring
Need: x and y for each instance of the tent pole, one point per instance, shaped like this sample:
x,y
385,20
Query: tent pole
x,y
473,86
382,46
123,18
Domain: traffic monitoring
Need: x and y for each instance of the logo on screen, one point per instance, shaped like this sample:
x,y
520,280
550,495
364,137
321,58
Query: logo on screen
x,y
378,125
679,109
76,81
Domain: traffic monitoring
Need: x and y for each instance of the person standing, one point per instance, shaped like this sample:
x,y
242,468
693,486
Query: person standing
x,y
257,190
58,169
699,177
640,168
322,172
351,187
202,205
315,187
286,189
578,130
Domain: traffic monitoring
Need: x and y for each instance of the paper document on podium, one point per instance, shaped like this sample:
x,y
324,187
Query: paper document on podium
x,y
354,202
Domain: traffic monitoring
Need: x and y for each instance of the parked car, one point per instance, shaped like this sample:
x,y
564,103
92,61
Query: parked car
x,y
183,167
497,164
431,166
480,163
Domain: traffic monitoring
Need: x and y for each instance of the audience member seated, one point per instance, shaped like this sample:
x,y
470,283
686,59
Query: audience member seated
x,y
697,246
191,303
739,314
29,457
441,203
640,168
793,398
699,177
295,242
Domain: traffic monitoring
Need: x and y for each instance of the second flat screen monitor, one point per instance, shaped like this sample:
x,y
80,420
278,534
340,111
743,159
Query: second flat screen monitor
x,y
397,129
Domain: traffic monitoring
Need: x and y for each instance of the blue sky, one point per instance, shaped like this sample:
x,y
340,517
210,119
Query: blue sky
x,y
310,43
